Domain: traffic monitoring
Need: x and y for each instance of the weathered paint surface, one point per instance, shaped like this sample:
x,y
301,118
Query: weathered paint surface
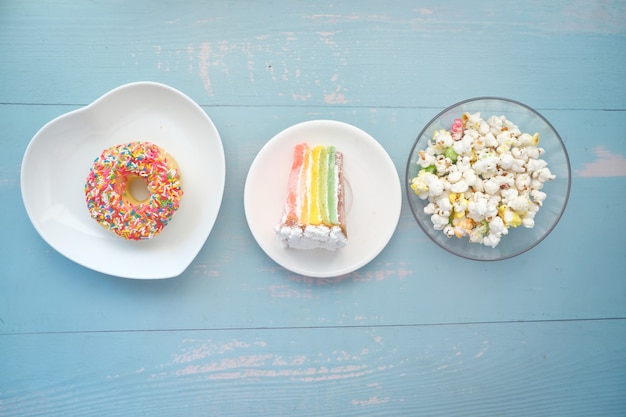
x,y
416,331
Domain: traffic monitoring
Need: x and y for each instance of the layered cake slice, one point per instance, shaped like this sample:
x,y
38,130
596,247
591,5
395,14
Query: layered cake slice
x,y
313,216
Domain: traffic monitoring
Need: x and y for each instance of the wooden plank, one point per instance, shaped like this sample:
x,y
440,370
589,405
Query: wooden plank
x,y
580,279
399,54
515,369
415,332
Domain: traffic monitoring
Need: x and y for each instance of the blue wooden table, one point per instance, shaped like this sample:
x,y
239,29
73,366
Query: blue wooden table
x,y
417,331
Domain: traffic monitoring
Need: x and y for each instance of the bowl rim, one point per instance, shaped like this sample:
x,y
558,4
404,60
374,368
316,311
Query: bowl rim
x,y
410,194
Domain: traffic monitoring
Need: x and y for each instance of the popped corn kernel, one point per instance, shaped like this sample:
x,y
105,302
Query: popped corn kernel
x,y
442,139
426,159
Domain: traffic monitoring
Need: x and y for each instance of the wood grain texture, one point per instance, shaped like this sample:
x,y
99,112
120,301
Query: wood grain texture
x,y
514,369
415,332
399,54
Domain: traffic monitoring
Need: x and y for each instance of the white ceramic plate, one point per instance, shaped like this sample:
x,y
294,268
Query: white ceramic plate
x,y
58,159
373,197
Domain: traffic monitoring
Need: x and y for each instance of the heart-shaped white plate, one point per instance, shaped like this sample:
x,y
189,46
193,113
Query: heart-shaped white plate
x,y
58,159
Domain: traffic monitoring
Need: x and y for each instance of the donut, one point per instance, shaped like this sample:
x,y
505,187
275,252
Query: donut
x,y
109,195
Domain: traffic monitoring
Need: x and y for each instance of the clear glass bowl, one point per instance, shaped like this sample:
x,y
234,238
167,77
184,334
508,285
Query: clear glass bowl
x,y
519,239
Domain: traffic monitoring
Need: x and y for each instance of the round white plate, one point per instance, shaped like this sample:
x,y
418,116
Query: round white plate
x,y
58,159
373,197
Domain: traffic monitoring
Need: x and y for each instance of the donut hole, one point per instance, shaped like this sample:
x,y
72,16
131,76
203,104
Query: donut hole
x,y
138,188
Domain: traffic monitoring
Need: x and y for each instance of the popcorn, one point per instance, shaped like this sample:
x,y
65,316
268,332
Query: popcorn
x,y
442,139
457,129
520,204
486,165
439,222
481,178
427,184
425,159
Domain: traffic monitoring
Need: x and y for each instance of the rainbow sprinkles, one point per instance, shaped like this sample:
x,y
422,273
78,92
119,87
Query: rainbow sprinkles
x,y
110,201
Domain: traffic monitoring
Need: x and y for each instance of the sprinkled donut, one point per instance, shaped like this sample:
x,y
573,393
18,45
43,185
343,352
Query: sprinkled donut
x,y
109,198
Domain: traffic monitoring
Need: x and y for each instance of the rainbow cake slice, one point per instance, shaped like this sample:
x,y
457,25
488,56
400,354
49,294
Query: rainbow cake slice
x,y
313,216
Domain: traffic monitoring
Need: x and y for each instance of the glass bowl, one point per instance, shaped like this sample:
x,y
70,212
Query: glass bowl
x,y
519,239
